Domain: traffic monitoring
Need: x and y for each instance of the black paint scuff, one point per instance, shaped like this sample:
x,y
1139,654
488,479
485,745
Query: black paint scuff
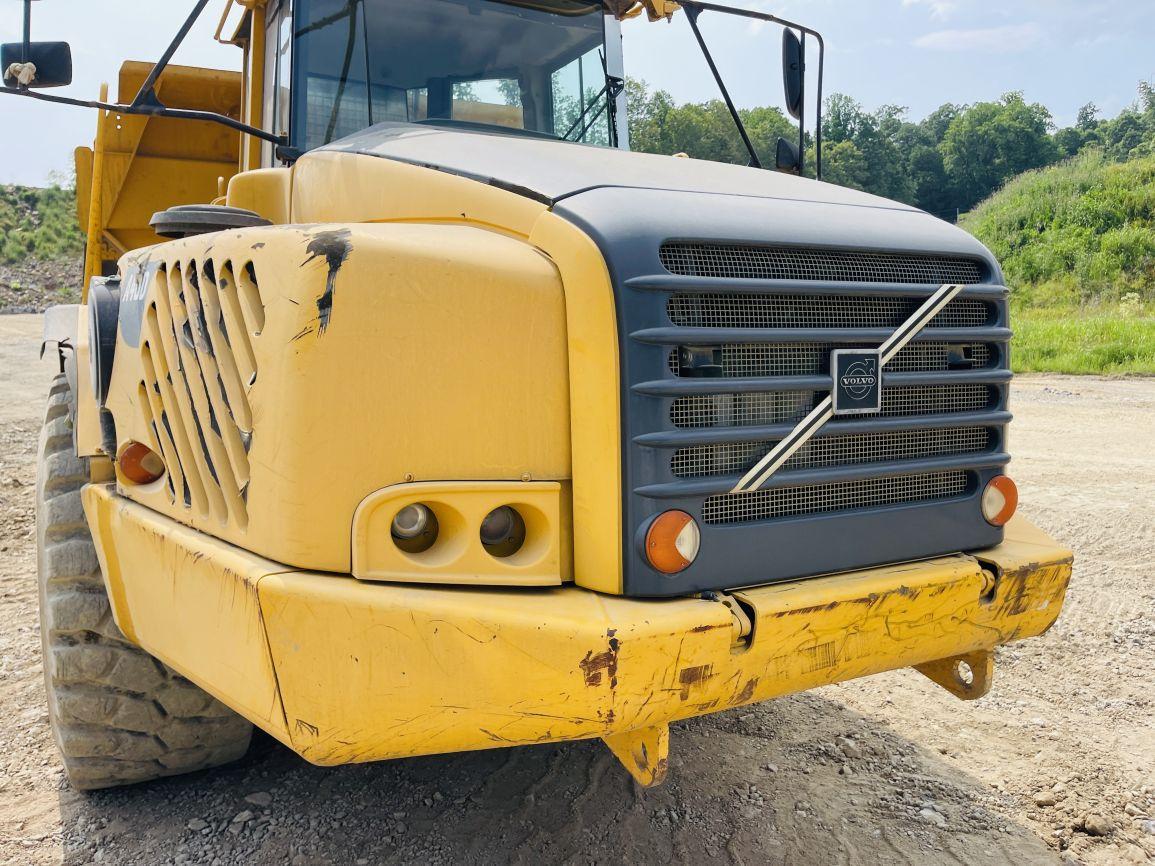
x,y
335,247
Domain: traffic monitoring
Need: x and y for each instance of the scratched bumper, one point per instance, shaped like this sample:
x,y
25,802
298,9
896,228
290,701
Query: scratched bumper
x,y
343,671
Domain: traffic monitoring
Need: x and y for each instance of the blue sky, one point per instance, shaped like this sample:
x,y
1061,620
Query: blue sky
x,y
916,53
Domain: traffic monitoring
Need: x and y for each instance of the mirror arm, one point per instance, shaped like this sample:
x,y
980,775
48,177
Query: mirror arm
x,y
692,11
802,102
27,30
145,102
704,6
153,110
146,94
818,111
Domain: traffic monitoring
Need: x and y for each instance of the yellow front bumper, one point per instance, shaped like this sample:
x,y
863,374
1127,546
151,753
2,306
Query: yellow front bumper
x,y
342,670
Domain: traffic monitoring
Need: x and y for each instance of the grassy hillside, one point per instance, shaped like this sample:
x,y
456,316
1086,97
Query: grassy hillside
x,y
38,223
1077,245
40,248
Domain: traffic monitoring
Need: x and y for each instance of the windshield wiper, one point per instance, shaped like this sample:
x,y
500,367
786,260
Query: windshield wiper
x,y
692,13
612,89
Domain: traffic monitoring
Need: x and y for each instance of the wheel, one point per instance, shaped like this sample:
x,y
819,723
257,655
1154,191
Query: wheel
x,y
118,715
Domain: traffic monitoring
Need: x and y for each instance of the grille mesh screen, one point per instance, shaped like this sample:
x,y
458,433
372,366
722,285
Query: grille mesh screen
x,y
801,311
840,496
733,457
745,360
749,262
763,409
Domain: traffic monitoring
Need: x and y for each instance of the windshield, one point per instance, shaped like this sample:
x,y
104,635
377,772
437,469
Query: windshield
x,y
531,65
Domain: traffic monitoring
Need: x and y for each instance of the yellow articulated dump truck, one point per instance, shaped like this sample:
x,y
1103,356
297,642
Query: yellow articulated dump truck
x,y
406,411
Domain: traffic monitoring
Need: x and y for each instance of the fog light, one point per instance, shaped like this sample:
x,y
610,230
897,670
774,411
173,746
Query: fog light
x,y
1000,499
503,531
672,542
140,464
414,528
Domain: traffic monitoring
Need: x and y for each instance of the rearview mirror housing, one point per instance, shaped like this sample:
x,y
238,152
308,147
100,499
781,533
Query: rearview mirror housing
x,y
53,62
786,157
792,72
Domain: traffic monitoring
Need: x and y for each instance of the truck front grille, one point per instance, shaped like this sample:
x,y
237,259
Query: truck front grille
x,y
747,336
751,262
198,364
778,502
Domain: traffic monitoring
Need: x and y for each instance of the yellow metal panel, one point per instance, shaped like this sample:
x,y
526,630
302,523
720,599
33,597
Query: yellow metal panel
x,y
457,556
426,670
432,334
346,187
189,602
146,164
82,162
422,670
595,395
152,184
194,87
644,753
340,186
87,431
367,671
264,191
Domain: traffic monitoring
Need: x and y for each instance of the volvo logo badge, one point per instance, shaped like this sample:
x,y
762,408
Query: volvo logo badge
x,y
857,381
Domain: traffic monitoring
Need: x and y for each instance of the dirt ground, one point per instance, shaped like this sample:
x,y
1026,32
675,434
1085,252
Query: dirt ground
x,y
1057,764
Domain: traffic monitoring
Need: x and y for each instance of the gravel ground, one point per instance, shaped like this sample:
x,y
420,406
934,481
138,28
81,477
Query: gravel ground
x,y
31,286
1057,764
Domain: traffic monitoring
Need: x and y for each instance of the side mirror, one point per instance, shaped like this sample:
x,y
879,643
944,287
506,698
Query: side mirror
x,y
792,70
786,157
53,62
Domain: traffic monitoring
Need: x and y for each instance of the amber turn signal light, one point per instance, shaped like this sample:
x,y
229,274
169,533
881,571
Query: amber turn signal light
x,y
672,542
140,464
1000,499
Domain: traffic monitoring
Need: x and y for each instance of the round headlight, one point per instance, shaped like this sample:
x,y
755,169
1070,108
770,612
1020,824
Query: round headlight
x,y
503,531
414,528
411,521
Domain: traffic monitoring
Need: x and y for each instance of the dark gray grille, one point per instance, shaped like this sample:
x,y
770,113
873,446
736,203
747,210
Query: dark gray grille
x,y
801,311
760,409
734,261
746,360
778,502
730,458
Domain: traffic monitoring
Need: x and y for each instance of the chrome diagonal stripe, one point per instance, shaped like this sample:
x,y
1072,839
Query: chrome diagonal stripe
x,y
824,411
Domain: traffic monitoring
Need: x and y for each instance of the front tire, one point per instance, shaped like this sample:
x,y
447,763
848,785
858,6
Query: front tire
x,y
118,715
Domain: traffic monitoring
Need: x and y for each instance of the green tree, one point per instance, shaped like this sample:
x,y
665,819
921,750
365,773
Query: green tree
x,y
990,142
843,164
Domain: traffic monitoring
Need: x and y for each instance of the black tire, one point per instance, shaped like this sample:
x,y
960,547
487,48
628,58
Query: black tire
x,y
118,715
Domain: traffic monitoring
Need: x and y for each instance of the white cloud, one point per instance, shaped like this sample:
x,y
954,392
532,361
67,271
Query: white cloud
x,y
939,9
1009,39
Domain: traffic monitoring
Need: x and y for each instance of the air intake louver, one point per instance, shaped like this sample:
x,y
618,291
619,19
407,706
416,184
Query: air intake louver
x,y
199,365
837,496
747,262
